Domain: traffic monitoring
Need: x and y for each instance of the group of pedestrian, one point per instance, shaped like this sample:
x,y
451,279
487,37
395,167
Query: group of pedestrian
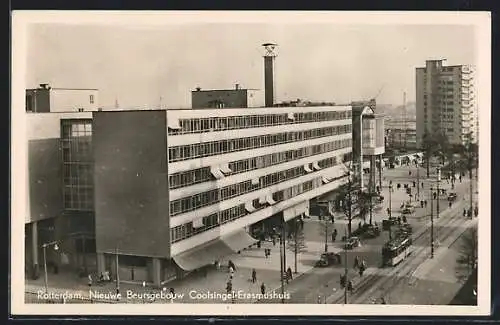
x,y
360,265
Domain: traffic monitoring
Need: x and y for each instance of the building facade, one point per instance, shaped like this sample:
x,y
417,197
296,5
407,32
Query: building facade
x,y
49,99
401,134
446,102
170,191
227,98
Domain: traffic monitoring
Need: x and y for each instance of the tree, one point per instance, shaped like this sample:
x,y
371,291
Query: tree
x,y
466,262
428,147
442,146
297,244
347,205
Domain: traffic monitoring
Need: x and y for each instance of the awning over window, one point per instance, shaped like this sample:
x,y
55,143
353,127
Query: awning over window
x,y
325,180
225,168
198,223
291,116
202,255
239,240
316,165
262,200
270,200
255,181
335,174
307,168
216,172
174,124
249,207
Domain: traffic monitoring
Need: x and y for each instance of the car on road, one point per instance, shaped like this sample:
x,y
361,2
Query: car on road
x,y
452,196
328,259
352,243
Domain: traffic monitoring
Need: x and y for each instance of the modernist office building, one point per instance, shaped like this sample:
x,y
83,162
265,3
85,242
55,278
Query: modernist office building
x,y
446,102
170,191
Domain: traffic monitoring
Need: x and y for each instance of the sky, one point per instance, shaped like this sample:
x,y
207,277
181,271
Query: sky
x,y
317,62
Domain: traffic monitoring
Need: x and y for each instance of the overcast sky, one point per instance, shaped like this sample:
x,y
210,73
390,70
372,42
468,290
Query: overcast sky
x,y
318,62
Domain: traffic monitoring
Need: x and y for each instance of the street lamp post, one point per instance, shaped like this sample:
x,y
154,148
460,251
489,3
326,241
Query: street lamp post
x,y
418,181
44,246
432,222
282,260
437,197
390,210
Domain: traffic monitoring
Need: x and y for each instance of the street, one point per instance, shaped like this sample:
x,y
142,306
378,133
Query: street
x,y
322,285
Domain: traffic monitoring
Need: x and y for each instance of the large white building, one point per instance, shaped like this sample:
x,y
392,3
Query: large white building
x,y
446,102
171,191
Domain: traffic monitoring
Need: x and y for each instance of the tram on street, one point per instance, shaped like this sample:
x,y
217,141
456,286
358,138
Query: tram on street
x,y
396,250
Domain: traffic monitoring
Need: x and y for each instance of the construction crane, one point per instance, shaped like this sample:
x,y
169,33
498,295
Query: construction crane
x,y
378,93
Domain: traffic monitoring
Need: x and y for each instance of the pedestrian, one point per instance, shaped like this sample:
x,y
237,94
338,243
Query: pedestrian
x,y
342,280
414,184
332,219
356,262
449,204
90,280
289,273
263,288
254,276
350,287
274,240
302,223
404,219
409,173
422,184
465,212
229,287
425,203
334,235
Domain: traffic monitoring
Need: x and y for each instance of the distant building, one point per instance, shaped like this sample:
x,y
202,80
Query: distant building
x,y
446,102
46,99
226,98
401,134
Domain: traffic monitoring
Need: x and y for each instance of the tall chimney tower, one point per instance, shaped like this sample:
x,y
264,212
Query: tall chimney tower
x,y
269,57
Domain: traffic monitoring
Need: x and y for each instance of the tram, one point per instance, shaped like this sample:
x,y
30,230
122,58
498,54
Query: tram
x,y
396,250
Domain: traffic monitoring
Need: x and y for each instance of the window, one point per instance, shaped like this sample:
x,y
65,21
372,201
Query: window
x,y
91,99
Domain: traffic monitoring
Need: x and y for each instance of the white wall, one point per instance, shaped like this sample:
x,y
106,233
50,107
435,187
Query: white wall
x,y
69,100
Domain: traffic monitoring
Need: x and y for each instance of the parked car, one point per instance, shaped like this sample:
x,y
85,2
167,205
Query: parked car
x,y
452,196
328,259
408,209
352,243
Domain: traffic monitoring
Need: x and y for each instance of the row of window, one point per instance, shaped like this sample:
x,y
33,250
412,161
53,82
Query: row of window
x,y
79,198
200,200
199,150
187,230
77,159
200,175
199,125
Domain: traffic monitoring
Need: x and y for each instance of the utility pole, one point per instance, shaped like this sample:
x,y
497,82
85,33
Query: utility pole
x,y
432,222
418,181
404,119
390,210
345,270
282,260
437,197
117,274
